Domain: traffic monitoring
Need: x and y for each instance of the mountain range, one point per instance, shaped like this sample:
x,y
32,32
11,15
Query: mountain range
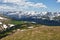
x,y
32,14
46,18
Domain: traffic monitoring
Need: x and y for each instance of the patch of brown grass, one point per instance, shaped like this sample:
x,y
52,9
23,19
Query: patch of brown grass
x,y
38,33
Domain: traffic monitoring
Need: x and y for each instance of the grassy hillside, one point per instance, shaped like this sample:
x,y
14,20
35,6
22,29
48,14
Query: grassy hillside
x,y
18,25
38,33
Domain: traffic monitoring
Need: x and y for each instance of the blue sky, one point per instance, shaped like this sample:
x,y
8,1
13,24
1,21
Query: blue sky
x,y
30,5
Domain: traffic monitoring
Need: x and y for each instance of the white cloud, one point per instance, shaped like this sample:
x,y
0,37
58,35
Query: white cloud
x,y
40,5
14,1
23,3
58,0
4,7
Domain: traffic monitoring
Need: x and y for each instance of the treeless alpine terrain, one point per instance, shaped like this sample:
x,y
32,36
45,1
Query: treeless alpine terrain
x,y
38,33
